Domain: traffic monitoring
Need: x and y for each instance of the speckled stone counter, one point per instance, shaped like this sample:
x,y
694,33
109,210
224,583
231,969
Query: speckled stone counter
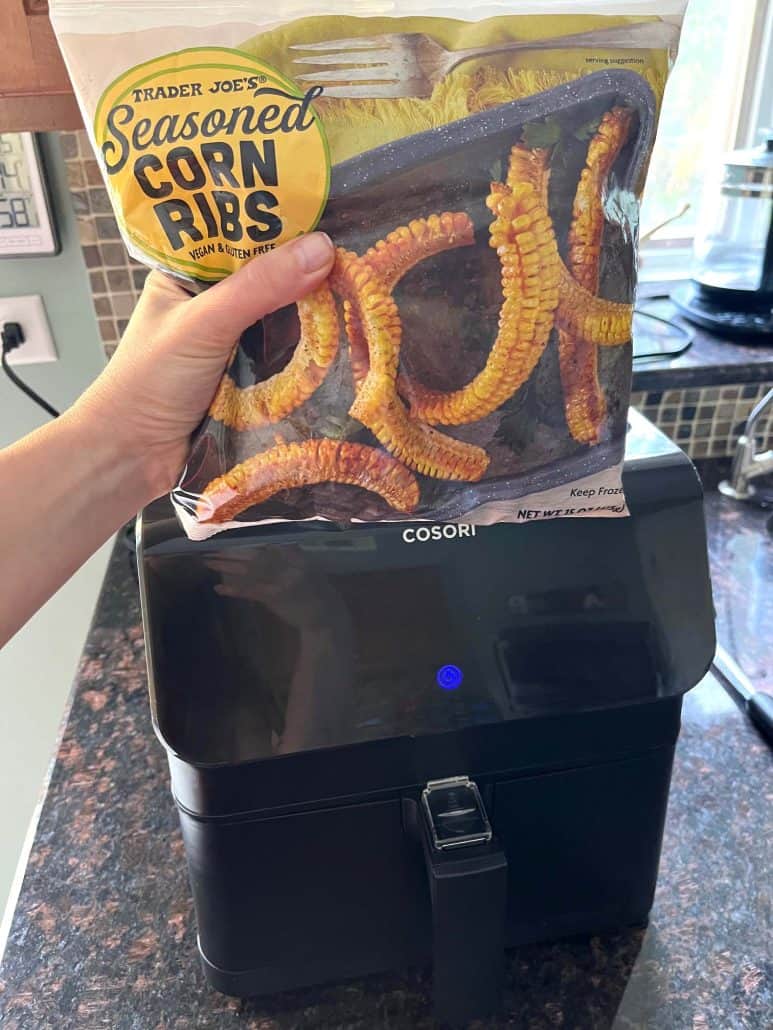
x,y
711,360
103,933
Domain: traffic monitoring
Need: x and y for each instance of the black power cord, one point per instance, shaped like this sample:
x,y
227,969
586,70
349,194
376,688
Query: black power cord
x,y
12,336
685,336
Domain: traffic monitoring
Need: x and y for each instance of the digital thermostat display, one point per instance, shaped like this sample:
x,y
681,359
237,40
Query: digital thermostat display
x,y
25,222
18,209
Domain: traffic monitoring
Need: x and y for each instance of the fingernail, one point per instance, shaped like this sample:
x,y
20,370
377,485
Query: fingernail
x,y
313,251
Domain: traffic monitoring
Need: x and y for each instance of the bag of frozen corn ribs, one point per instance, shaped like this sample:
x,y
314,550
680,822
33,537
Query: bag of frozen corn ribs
x,y
479,168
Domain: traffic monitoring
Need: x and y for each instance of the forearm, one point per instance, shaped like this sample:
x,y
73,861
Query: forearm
x,y
65,489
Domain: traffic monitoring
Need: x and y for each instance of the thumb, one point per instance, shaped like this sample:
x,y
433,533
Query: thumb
x,y
265,284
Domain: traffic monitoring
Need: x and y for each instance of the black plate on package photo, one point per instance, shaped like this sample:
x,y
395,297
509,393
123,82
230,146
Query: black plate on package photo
x,y
450,169
450,304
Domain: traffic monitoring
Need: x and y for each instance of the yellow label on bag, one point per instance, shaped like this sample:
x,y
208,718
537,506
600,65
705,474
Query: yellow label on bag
x,y
212,157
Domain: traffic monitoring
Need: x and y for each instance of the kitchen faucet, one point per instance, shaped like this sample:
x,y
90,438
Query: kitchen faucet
x,y
748,464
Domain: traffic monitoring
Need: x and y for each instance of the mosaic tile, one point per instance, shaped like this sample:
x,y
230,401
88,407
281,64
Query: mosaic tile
x,y
107,330
113,255
68,141
93,174
97,280
107,227
139,275
91,256
707,422
123,304
99,200
80,203
118,279
76,178
87,232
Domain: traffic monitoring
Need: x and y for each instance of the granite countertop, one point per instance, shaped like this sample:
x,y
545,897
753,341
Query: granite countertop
x,y
710,360
103,933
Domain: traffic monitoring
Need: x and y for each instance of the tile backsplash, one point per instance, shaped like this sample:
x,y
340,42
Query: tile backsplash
x,y
705,421
116,280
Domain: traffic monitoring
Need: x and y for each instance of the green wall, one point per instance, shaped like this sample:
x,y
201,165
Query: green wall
x,y
37,666
63,283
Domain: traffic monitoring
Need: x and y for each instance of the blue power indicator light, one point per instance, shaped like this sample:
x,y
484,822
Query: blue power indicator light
x,y
449,677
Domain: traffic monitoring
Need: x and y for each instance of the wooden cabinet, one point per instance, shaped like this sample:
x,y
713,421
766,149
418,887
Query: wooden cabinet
x,y
35,90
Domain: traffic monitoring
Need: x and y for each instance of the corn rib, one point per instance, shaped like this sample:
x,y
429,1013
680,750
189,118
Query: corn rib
x,y
303,464
580,311
523,237
376,403
587,228
273,399
584,402
391,258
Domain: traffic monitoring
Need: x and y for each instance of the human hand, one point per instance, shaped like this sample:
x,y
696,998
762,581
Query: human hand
x,y
161,380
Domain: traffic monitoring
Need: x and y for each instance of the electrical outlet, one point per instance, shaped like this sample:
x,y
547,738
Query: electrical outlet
x,y
30,313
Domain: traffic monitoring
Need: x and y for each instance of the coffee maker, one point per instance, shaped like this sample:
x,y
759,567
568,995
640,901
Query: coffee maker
x,y
402,744
731,289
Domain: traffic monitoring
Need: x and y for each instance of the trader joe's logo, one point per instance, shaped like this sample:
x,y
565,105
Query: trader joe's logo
x,y
212,157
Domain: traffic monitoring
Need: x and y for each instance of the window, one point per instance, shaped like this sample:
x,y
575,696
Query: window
x,y
717,99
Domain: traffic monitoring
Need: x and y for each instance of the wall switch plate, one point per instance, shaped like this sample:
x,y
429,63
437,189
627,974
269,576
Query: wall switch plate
x,y
30,313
